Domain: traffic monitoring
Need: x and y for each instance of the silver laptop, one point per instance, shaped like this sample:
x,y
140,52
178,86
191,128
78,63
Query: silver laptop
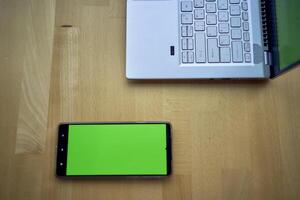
x,y
211,39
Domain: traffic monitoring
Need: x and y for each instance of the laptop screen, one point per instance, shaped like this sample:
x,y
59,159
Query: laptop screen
x,y
288,29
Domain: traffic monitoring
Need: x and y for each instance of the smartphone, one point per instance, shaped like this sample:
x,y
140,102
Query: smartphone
x,y
114,149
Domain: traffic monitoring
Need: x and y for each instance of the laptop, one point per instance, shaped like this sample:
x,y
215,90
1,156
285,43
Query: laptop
x,y
211,39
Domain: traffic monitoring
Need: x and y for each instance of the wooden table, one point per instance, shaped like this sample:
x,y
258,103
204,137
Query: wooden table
x,y
65,61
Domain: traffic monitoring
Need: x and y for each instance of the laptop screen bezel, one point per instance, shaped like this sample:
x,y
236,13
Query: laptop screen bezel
x,y
273,42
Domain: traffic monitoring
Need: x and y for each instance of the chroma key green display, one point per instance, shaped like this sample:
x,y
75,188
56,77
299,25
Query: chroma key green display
x,y
116,149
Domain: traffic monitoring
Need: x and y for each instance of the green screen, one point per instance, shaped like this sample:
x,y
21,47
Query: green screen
x,y
288,26
117,149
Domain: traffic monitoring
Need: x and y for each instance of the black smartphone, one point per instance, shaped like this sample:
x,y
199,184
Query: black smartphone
x,y
114,149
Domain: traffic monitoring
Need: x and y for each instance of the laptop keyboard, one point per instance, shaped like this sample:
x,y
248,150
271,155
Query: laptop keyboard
x,y
215,31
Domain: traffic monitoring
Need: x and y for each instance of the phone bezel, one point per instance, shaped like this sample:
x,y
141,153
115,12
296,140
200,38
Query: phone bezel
x,y
62,147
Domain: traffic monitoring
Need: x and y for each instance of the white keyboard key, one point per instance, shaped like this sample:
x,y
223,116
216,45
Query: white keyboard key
x,y
247,47
223,4
236,34
223,28
199,26
246,26
185,57
237,52
224,40
213,51
199,13
211,31
215,31
247,57
200,47
223,16
211,19
245,6
245,16
184,32
246,36
199,3
190,31
235,10
225,55
190,57
211,8
184,44
187,18
234,1
186,6
190,44
235,22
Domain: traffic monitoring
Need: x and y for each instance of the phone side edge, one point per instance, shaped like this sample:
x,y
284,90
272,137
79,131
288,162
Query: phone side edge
x,y
169,148
61,148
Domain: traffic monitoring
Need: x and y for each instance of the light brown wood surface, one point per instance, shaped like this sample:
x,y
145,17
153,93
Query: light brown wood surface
x,y
64,60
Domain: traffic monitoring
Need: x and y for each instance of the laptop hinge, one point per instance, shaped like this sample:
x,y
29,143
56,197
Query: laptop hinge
x,y
268,58
264,21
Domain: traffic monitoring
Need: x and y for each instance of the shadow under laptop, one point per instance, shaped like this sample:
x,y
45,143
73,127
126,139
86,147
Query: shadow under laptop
x,y
202,82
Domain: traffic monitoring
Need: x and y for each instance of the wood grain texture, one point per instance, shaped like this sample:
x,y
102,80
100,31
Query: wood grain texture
x,y
25,60
33,103
65,61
